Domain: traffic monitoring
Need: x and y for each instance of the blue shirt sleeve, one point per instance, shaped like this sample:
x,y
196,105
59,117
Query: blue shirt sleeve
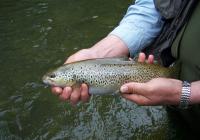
x,y
140,26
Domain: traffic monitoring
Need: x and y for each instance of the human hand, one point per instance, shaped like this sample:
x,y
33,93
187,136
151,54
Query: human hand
x,y
158,91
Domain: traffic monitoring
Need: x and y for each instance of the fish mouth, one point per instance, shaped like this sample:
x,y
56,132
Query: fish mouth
x,y
46,80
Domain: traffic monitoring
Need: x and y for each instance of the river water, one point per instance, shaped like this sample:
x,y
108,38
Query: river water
x,y
37,35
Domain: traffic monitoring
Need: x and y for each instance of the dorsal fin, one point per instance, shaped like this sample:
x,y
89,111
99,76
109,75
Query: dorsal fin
x,y
107,60
113,59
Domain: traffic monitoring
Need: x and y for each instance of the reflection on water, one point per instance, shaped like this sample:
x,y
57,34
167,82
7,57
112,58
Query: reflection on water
x,y
36,35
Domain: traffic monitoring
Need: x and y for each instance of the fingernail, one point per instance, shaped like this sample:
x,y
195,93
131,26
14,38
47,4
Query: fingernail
x,y
57,90
124,89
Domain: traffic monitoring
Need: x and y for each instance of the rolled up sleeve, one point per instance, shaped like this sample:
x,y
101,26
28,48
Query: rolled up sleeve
x,y
140,26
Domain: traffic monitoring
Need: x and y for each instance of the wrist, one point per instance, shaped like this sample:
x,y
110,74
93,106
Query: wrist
x,y
110,46
177,84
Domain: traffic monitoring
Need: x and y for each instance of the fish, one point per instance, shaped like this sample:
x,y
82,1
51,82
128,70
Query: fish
x,y
105,75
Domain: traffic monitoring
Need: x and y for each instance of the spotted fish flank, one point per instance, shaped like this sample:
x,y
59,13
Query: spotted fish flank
x,y
104,76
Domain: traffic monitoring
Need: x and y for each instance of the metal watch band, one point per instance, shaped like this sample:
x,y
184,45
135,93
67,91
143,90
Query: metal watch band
x,y
185,95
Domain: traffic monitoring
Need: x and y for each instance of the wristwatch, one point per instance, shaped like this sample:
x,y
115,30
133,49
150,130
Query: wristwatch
x,y
185,95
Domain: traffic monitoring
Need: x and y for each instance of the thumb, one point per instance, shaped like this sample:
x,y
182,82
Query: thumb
x,y
132,88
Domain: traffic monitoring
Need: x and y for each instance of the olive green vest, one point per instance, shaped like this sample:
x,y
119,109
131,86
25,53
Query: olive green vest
x,y
186,48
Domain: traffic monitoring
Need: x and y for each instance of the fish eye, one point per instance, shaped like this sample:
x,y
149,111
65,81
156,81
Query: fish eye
x,y
52,75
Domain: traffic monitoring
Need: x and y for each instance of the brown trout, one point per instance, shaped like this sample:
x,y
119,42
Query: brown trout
x,y
104,76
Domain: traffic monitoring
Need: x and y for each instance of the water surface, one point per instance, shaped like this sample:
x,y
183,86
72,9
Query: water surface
x,y
37,35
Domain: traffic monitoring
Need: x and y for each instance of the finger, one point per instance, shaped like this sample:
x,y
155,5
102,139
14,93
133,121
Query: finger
x,y
70,59
128,88
65,95
56,90
150,59
67,61
84,93
142,57
133,88
138,99
75,96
